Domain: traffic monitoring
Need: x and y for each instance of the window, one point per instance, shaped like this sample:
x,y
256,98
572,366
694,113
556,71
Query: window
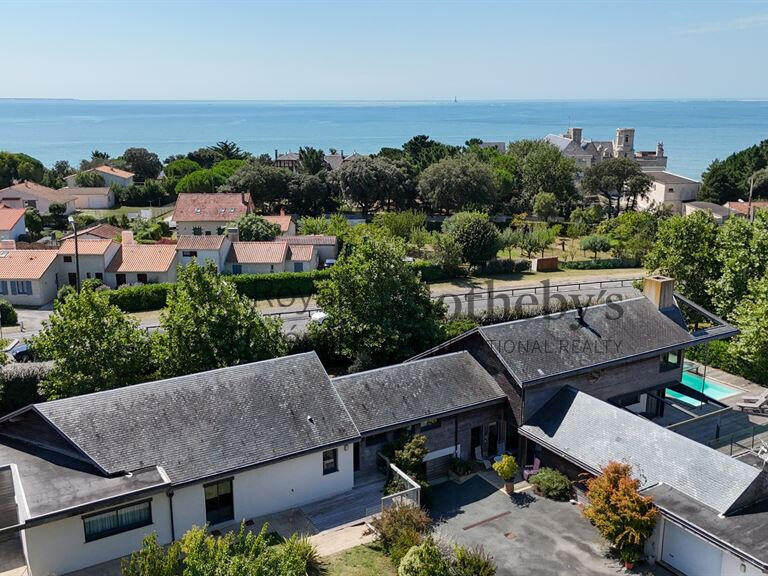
x,y
219,230
197,231
207,232
298,266
376,439
430,424
237,268
21,287
72,279
330,461
99,276
219,506
3,287
67,258
119,279
670,361
189,253
141,278
117,520
30,203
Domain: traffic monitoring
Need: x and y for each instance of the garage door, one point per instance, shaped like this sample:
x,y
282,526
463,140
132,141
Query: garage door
x,y
438,467
688,553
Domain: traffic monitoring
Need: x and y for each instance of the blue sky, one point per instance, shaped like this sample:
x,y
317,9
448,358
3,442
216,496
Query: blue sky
x,y
384,50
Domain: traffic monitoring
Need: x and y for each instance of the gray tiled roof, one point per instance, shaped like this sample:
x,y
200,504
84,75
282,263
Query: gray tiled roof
x,y
593,433
416,391
211,422
544,346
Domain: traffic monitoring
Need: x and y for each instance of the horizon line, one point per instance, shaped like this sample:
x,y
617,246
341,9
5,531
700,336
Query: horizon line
x,y
392,100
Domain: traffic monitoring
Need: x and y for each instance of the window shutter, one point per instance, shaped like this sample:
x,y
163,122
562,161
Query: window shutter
x,y
29,287
3,287
13,287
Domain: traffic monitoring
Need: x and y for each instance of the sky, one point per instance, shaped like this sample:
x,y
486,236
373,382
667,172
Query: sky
x,y
394,50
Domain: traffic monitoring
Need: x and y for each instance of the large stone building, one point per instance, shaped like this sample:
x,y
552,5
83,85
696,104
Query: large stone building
x,y
587,153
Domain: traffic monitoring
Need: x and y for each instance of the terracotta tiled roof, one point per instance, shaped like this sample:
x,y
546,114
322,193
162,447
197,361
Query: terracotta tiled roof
x,y
38,190
86,190
114,171
25,264
282,220
9,217
741,207
143,258
258,252
301,252
314,239
101,230
85,246
209,208
200,242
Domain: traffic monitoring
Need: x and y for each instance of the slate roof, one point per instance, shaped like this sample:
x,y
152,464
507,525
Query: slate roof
x,y
416,391
143,258
10,216
546,346
220,207
669,178
593,433
25,264
203,424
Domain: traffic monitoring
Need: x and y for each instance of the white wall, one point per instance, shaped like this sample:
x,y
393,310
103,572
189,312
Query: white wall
x,y
261,268
43,290
60,547
14,233
274,488
212,228
217,256
95,201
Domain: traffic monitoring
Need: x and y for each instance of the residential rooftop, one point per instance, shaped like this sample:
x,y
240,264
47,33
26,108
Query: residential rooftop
x,y
25,264
143,258
9,217
219,207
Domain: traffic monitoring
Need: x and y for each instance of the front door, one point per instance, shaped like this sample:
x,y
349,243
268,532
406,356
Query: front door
x,y
493,438
356,456
72,279
475,441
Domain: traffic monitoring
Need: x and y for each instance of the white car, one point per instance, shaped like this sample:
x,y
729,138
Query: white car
x,y
318,317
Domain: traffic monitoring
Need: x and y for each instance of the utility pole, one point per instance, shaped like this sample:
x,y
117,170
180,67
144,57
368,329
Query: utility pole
x,y
749,205
77,254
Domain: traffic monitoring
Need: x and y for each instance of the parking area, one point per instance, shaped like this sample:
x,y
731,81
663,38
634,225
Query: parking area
x,y
526,534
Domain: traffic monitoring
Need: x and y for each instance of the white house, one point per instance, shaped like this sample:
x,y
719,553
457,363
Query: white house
x,y
94,256
12,224
101,197
207,214
671,190
202,249
110,175
32,195
28,277
141,264
170,455
271,257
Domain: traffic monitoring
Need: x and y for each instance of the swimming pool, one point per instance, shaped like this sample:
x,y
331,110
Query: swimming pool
x,y
715,390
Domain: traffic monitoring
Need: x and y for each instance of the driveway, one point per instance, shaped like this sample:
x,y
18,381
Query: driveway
x,y
526,534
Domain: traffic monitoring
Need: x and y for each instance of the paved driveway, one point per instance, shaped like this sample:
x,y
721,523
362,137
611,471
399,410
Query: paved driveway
x,y
526,534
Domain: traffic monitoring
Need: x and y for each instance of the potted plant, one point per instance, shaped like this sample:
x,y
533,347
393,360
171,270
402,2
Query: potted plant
x,y
629,554
507,469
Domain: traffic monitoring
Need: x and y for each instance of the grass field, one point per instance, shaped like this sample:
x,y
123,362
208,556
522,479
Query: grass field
x,y
360,561
119,210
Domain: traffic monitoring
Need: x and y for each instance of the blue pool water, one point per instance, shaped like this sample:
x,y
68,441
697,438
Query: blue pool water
x,y
713,389
694,132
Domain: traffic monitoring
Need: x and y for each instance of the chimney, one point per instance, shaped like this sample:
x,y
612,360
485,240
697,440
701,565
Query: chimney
x,y
127,237
660,150
342,154
575,134
233,234
660,291
275,154
282,211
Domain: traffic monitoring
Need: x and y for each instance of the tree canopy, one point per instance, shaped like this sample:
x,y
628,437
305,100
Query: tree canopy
x,y
372,183
252,227
143,163
457,183
621,176
729,179
476,234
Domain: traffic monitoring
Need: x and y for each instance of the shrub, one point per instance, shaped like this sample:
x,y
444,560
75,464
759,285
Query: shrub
x,y
7,313
463,467
495,267
64,291
433,272
605,264
405,540
140,298
472,562
19,384
426,559
304,553
476,234
552,484
595,244
506,468
394,523
456,326
280,285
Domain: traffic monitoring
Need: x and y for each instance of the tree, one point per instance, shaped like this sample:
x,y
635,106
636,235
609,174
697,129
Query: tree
x,y
378,309
143,163
252,227
422,151
18,166
227,168
455,183
632,234
476,234
200,181
617,176
751,317
726,180
545,205
181,167
619,512
510,238
543,168
370,182
153,559
447,253
310,194
206,157
311,160
90,179
595,243
684,251
401,224
208,325
266,185
94,346
227,150
34,223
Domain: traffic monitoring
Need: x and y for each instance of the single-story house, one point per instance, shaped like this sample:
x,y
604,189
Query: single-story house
x,y
207,214
28,277
270,257
141,264
203,248
719,213
327,246
741,208
12,224
670,190
91,198
27,194
110,174
285,221
90,476
94,256
96,232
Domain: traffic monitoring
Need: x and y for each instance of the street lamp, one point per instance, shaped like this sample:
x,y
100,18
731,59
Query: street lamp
x,y
77,252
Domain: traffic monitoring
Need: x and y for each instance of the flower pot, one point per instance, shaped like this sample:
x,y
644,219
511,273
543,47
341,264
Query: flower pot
x,y
509,487
629,565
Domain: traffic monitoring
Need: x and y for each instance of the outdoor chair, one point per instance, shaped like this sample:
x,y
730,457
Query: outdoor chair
x,y
479,458
757,403
530,471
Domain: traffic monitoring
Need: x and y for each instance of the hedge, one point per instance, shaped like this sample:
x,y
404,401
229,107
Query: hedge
x,y
139,298
499,267
19,384
280,285
7,313
604,264
431,272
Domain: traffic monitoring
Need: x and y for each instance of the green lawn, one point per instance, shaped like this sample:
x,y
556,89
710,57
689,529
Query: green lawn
x,y
118,210
360,561
571,252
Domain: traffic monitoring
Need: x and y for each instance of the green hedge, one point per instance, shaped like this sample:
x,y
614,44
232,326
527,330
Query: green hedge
x,y
604,264
431,272
19,384
280,285
498,267
7,313
139,298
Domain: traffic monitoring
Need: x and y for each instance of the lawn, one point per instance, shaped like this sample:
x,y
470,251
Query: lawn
x,y
360,561
571,252
119,210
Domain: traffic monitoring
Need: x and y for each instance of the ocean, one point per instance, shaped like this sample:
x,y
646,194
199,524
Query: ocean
x,y
694,132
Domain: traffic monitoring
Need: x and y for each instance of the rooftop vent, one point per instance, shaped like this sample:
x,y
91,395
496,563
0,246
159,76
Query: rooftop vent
x,y
3,253
310,420
197,210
